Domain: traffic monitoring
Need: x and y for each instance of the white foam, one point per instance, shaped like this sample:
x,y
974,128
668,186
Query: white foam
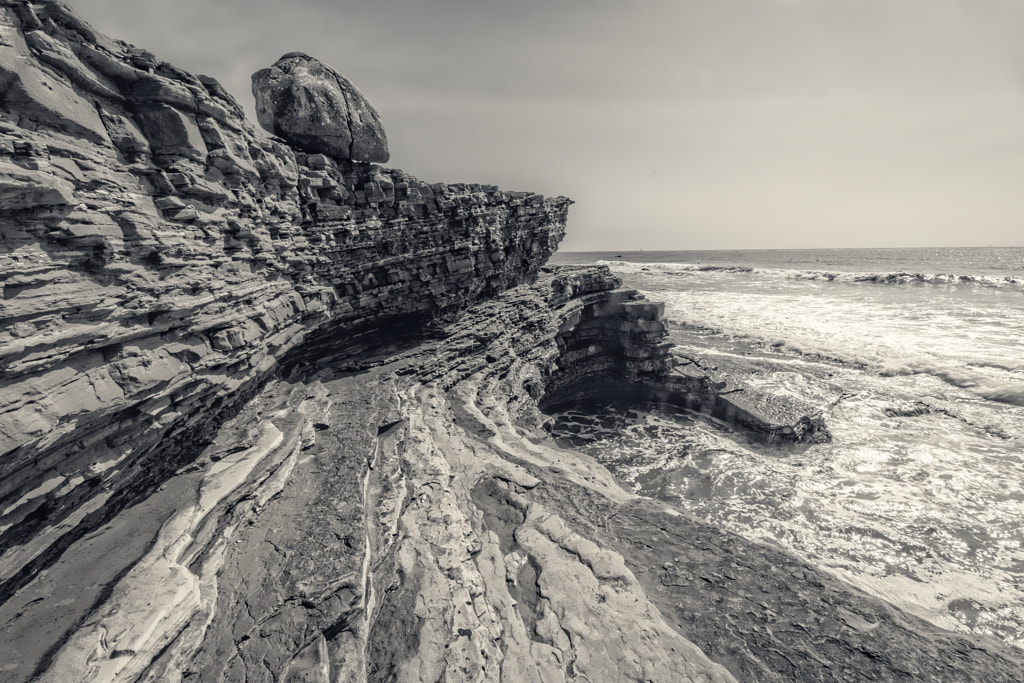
x,y
849,277
923,479
891,331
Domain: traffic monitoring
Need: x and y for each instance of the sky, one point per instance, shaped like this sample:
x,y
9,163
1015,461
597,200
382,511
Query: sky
x,y
673,124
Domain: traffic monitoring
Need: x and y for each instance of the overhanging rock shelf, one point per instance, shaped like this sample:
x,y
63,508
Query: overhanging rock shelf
x,y
274,415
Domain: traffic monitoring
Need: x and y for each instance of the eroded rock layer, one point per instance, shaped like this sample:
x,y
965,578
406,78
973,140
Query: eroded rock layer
x,y
393,512
613,345
159,255
271,416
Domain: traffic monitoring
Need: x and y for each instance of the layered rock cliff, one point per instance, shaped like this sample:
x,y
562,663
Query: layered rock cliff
x,y
270,415
160,255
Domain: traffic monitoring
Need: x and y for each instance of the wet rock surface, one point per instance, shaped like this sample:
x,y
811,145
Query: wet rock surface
x,y
766,615
394,512
268,415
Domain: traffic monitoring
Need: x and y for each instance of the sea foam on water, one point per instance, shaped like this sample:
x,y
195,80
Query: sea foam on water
x,y
919,495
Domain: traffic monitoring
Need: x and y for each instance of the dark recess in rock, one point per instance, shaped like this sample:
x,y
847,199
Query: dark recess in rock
x,y
271,414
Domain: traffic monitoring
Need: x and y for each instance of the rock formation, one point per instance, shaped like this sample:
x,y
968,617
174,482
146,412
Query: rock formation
x,y
315,108
272,415
156,267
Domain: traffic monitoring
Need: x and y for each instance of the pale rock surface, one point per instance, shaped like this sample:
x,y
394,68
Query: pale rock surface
x,y
24,188
268,415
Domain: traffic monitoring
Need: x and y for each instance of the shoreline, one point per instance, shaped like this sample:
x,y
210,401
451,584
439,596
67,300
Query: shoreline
x,y
271,411
441,457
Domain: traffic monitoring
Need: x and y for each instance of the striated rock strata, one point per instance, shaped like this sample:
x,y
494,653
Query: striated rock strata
x,y
613,345
271,416
387,509
159,255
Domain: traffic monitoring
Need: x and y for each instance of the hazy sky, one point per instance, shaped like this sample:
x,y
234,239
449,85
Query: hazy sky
x,y
674,124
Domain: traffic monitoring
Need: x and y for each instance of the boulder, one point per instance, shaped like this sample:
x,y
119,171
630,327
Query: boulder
x,y
315,108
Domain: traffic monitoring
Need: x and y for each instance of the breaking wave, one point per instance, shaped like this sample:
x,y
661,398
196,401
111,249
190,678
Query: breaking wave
x,y
985,387
891,278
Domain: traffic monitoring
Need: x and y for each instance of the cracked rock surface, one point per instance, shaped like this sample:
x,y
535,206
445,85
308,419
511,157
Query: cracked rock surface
x,y
268,415
316,109
388,508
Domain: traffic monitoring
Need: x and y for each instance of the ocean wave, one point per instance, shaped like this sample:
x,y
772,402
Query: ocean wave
x,y
963,378
985,387
891,278
630,266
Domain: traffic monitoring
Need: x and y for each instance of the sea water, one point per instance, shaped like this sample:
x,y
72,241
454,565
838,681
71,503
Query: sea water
x,y
916,357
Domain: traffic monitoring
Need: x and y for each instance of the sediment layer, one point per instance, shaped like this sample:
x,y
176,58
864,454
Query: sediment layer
x,y
159,255
396,513
272,416
614,345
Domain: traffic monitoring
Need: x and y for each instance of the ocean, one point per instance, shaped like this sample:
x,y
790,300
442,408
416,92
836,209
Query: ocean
x,y
916,357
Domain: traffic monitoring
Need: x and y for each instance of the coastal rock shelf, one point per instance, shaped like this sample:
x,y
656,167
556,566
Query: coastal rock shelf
x,y
395,512
270,415
159,254
613,345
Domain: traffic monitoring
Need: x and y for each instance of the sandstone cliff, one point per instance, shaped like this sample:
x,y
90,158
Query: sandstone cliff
x,y
270,415
160,254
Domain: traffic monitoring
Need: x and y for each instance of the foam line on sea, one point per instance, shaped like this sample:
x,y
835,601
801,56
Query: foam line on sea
x,y
881,278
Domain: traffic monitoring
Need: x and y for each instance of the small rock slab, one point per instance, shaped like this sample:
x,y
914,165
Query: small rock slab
x,y
313,107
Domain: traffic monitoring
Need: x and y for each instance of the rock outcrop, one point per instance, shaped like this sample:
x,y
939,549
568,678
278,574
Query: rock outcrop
x,y
316,109
268,415
387,509
614,346
159,255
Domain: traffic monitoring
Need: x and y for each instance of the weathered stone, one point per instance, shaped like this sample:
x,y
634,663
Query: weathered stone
x,y
21,188
39,96
171,131
108,257
281,421
315,108
125,135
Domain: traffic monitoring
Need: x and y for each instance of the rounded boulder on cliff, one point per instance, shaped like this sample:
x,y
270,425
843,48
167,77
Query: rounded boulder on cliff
x,y
314,108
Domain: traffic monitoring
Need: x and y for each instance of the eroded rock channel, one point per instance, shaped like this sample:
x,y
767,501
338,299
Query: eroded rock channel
x,y
274,415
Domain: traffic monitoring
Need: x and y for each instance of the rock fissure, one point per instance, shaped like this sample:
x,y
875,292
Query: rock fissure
x,y
284,407
348,122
